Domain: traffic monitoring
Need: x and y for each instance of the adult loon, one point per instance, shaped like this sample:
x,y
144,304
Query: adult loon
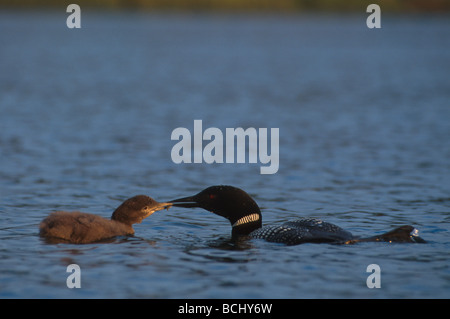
x,y
83,228
245,217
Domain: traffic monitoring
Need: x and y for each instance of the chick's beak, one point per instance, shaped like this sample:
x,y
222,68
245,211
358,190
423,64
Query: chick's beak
x,y
158,206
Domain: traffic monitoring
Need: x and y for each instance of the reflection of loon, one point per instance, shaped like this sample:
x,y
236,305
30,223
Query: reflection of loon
x,y
82,228
245,218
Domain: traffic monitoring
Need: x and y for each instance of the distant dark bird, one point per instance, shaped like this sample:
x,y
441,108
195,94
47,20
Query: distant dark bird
x,y
245,217
82,228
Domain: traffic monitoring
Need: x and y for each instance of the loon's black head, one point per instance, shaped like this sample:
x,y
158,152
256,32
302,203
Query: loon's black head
x,y
230,202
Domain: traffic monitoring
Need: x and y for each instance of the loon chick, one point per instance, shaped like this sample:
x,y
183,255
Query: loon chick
x,y
82,228
245,217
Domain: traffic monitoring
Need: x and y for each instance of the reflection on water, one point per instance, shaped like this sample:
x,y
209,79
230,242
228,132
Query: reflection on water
x,y
87,117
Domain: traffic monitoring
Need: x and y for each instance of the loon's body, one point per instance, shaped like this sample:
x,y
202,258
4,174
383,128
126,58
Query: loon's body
x,y
302,231
245,217
82,228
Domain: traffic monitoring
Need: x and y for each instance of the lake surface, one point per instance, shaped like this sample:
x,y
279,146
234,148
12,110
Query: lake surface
x,y
86,122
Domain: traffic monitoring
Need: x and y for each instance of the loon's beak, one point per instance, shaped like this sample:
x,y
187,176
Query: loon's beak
x,y
187,202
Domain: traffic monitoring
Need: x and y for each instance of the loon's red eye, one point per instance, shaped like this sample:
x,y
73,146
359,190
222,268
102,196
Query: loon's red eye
x,y
212,196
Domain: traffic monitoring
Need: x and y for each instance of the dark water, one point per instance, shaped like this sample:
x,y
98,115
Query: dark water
x,y
86,120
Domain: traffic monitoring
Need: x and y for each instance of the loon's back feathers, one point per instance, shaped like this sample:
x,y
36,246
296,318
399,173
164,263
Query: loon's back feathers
x,y
302,231
245,217
402,234
310,230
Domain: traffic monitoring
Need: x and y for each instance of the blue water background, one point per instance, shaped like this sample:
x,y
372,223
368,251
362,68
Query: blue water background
x,y
87,116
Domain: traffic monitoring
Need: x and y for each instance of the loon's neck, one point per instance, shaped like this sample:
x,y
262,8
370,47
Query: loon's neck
x,y
246,224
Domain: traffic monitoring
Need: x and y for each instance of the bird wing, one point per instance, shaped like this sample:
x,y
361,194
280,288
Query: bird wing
x,y
305,230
